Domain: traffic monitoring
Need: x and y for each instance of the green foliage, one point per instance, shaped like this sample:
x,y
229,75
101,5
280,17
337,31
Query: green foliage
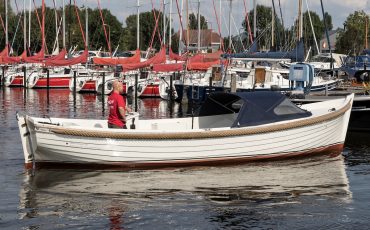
x,y
318,26
264,18
193,22
147,25
351,40
97,38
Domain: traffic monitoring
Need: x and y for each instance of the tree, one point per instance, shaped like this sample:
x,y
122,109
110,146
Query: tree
x,y
352,38
328,21
193,22
318,27
147,25
97,38
264,16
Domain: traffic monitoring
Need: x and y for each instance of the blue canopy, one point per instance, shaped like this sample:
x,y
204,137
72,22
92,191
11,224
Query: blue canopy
x,y
254,108
296,54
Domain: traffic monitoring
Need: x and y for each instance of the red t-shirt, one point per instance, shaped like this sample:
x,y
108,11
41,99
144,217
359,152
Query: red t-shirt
x,y
115,100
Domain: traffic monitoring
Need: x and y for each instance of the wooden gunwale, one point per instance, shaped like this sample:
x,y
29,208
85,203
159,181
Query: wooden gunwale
x,y
199,134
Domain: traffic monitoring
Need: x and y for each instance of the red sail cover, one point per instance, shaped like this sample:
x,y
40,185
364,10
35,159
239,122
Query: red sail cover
x,y
60,56
207,57
18,59
168,67
67,62
118,61
201,66
39,57
177,57
159,58
4,53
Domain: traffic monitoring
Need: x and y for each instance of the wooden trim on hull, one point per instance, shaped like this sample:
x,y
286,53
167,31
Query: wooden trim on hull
x,y
200,134
332,151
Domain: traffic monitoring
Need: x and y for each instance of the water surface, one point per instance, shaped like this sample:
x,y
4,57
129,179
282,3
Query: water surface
x,y
309,193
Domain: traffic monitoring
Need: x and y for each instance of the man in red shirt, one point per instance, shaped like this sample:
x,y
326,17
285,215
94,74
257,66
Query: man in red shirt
x,y
117,107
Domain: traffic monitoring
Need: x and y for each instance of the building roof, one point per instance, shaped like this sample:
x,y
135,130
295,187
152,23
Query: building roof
x,y
207,37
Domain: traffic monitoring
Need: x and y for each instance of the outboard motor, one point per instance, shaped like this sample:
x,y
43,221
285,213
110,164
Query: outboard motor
x,y
301,78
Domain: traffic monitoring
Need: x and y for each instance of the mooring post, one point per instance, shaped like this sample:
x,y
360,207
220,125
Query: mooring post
x,y
24,77
233,83
74,88
103,88
136,82
2,80
171,86
47,84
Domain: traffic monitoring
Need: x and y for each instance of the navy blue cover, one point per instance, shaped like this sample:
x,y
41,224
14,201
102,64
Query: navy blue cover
x,y
257,108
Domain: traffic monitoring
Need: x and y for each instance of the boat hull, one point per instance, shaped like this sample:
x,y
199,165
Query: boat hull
x,y
94,149
54,82
14,81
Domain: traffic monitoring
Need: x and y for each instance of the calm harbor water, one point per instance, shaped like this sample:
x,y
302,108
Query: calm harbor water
x,y
309,193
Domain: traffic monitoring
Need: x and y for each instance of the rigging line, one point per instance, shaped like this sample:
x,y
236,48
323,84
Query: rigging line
x,y
2,23
43,43
313,31
218,25
155,27
105,30
247,22
240,38
227,30
275,17
180,16
79,22
15,34
282,22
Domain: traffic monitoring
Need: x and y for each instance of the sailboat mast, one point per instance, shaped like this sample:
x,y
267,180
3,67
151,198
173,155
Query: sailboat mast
x,y
272,24
366,31
56,27
43,25
138,26
300,15
220,13
64,25
254,20
6,23
164,22
230,12
170,25
187,25
24,27
198,18
29,23
180,37
87,27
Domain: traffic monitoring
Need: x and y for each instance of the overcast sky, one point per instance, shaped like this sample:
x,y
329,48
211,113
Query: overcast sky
x,y
338,9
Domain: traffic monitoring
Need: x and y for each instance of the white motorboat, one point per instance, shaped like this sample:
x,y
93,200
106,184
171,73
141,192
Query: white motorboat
x,y
229,129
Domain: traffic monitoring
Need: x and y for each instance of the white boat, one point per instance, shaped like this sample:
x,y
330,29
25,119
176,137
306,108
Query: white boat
x,y
230,128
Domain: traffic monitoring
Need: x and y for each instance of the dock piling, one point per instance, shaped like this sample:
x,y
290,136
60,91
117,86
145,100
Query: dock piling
x,y
24,77
172,76
74,88
103,93
47,85
2,80
136,82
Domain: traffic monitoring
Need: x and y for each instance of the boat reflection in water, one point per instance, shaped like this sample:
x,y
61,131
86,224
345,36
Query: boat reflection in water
x,y
141,198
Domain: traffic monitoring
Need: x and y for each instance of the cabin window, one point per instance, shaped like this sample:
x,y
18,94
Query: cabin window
x,y
236,106
286,108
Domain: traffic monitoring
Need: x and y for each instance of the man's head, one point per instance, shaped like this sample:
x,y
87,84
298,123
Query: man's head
x,y
117,86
